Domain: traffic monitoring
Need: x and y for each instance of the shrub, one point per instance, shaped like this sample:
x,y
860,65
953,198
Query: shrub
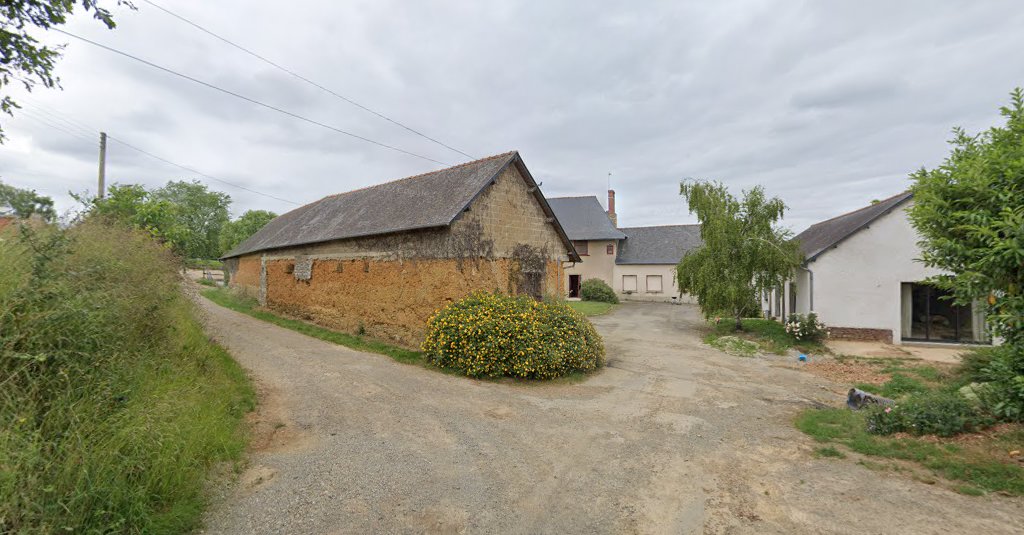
x,y
114,402
597,290
806,328
493,335
944,413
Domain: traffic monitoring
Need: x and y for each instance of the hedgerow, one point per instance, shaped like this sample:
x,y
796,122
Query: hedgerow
x,y
493,335
114,404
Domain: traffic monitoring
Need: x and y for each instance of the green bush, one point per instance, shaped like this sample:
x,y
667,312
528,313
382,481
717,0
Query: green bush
x,y
597,290
493,335
944,413
114,403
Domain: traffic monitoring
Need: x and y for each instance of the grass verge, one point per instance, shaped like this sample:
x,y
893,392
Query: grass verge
x,y
591,308
980,461
247,305
115,405
768,336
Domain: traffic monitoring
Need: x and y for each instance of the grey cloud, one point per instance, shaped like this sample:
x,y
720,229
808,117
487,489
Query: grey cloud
x,y
825,104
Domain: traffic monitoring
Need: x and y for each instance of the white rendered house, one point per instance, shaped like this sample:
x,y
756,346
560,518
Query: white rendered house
x,y
863,278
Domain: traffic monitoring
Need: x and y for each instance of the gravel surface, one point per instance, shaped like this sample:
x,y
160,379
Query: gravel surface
x,y
672,437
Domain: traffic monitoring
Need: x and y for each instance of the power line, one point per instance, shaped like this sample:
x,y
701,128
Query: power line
x,y
73,125
247,99
56,126
81,125
304,79
191,170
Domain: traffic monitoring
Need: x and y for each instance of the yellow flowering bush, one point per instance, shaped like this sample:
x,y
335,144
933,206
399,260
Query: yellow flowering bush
x,y
493,335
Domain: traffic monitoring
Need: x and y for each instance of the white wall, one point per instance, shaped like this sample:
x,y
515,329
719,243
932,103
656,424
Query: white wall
x,y
598,264
857,283
669,288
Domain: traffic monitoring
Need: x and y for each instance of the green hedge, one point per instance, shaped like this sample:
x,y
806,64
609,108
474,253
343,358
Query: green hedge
x,y
493,335
597,290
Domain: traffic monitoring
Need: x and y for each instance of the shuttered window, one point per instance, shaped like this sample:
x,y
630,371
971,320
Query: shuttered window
x,y
581,247
653,284
629,283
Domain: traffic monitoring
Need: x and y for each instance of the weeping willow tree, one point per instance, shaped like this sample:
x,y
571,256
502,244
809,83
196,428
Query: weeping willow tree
x,y
744,252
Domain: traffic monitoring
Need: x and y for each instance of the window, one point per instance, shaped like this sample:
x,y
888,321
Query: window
x,y
629,283
610,249
654,284
581,247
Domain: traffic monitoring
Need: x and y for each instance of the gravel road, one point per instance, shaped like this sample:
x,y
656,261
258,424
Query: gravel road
x,y
672,437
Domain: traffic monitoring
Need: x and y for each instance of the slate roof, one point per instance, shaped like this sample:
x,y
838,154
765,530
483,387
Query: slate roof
x,y
583,218
430,200
820,237
657,245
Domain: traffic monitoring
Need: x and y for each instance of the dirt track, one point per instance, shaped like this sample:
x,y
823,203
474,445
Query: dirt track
x,y
673,437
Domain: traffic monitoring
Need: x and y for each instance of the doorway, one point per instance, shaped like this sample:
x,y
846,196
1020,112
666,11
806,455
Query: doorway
x,y
574,285
930,315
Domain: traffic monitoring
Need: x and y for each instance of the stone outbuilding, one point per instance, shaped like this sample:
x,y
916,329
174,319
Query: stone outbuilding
x,y
383,259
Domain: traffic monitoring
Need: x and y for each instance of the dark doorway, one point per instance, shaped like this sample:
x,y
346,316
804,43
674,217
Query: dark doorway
x,y
934,317
574,285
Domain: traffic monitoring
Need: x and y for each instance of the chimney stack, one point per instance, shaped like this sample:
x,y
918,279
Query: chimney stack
x,y
611,208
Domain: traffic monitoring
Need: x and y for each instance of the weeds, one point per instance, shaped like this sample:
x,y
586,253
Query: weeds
x,y
114,404
982,465
769,336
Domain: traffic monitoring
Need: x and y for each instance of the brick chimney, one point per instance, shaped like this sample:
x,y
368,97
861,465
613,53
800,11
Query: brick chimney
x,y
611,208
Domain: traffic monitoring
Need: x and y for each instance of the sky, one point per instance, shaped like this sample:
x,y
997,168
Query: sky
x,y
827,105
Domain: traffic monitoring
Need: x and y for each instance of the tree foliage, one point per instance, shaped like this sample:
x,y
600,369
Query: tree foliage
x,y
22,57
186,215
235,232
744,251
201,212
969,212
25,203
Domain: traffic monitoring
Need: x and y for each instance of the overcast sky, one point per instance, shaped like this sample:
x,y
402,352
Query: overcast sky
x,y
826,104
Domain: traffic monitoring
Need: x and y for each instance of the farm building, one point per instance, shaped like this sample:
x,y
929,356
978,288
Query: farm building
x,y
384,258
862,276
639,263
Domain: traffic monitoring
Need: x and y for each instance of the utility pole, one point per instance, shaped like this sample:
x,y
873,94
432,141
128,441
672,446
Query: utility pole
x,y
103,164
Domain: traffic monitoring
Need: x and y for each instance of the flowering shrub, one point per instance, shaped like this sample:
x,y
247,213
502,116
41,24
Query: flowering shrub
x,y
492,335
597,290
806,328
940,413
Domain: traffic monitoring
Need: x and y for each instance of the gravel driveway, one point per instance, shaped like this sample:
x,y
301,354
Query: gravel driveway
x,y
672,437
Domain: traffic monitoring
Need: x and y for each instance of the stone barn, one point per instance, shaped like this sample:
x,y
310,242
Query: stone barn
x,y
383,259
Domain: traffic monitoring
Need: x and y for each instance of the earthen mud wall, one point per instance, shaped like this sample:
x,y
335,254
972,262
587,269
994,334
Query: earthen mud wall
x,y
389,285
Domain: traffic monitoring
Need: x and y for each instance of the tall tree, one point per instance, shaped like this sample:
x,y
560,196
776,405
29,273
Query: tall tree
x,y
25,203
969,212
200,211
237,231
186,215
22,57
744,252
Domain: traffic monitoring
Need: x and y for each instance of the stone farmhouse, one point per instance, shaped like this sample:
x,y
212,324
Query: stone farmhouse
x,y
862,277
383,259
639,263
